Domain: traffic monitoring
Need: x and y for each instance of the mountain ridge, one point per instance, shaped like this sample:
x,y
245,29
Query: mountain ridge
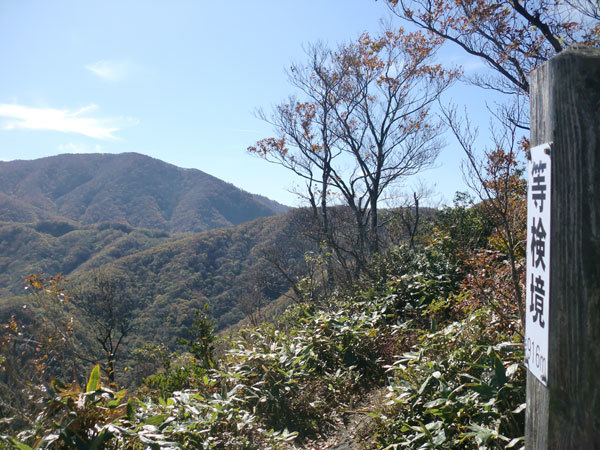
x,y
129,188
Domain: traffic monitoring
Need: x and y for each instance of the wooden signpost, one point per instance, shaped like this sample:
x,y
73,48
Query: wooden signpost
x,y
563,396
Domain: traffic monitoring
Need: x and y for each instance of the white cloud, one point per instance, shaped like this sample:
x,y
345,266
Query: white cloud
x,y
473,64
468,63
79,148
63,120
111,70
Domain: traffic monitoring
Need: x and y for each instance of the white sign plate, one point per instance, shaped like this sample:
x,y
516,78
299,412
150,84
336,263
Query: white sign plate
x,y
537,303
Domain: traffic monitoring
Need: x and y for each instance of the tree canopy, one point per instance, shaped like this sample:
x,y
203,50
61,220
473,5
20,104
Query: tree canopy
x,y
362,124
513,37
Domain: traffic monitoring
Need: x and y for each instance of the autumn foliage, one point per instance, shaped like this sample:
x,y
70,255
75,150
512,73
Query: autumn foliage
x,y
513,37
364,123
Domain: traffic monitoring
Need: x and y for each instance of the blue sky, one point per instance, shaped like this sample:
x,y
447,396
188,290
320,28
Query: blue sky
x,y
176,80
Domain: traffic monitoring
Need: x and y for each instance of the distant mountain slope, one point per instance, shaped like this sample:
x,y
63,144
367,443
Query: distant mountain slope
x,y
175,278
53,247
170,275
127,188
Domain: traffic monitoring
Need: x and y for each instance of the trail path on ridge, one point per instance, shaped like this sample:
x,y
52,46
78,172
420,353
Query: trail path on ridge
x,y
353,429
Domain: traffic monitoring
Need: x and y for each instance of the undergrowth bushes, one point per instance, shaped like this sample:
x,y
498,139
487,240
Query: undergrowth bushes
x,y
451,367
460,387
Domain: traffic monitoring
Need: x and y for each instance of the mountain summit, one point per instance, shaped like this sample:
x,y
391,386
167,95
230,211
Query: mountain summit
x,y
127,188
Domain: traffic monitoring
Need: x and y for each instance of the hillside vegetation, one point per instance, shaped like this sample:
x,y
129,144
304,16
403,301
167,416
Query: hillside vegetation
x,y
80,215
445,350
215,266
165,278
429,328
59,246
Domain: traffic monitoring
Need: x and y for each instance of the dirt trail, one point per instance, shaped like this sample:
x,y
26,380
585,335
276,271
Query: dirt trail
x,y
352,432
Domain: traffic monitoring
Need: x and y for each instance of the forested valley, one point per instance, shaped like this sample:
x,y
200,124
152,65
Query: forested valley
x,y
147,306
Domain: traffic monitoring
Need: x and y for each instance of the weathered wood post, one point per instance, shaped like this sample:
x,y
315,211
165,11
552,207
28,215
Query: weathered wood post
x,y
565,110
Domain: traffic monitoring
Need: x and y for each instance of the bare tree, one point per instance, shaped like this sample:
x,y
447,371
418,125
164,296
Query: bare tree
x,y
512,37
497,178
409,217
252,300
365,124
108,309
589,8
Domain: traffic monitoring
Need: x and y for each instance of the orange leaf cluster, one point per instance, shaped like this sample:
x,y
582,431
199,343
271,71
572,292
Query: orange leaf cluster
x,y
268,146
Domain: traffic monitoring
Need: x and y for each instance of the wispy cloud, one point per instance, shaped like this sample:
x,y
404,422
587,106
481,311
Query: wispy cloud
x,y
79,148
111,70
473,64
468,63
62,120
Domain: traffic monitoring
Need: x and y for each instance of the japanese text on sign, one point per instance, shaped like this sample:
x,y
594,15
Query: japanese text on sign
x,y
538,263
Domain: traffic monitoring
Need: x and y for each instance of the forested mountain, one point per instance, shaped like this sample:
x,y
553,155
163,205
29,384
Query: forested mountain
x,y
173,279
175,239
127,188
168,276
53,247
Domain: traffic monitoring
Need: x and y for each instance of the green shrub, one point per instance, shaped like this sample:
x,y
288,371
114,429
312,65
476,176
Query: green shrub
x,y
452,369
75,417
461,387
